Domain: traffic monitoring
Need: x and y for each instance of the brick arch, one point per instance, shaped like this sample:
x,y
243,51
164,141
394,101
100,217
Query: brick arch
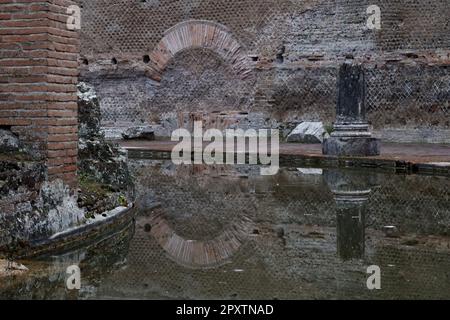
x,y
199,34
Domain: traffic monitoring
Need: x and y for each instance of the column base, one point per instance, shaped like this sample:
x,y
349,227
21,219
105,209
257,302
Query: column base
x,y
351,146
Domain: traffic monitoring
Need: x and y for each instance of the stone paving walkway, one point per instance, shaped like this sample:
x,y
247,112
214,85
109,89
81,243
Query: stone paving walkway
x,y
415,157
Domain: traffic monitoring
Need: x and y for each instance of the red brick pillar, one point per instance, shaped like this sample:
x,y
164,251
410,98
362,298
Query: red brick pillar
x,y
38,77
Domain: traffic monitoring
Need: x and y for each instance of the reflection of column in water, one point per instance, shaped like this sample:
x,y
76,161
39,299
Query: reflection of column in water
x,y
350,230
351,190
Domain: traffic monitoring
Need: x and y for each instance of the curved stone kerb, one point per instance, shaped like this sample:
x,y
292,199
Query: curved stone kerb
x,y
199,34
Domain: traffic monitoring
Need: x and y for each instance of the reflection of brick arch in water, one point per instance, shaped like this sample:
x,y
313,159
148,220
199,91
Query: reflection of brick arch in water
x,y
199,34
200,254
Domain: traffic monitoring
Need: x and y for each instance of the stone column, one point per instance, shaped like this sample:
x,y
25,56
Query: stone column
x,y
351,136
351,190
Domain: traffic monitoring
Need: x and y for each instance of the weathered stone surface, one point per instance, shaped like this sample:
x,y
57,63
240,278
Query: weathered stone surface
x,y
105,181
89,114
361,147
16,176
32,208
60,208
34,212
143,133
308,132
9,142
99,159
105,162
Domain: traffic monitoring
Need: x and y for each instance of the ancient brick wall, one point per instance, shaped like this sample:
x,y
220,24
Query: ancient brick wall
x,y
38,77
148,68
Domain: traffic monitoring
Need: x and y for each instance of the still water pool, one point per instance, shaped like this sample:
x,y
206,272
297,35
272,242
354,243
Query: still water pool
x,y
226,232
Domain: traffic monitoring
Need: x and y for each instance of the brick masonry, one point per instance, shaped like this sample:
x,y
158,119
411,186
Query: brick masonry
x,y
145,61
38,77
199,34
293,49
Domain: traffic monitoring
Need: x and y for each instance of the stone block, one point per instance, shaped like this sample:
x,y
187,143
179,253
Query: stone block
x,y
143,133
350,146
308,132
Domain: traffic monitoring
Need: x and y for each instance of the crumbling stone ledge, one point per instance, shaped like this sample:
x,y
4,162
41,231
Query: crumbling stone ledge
x,y
109,223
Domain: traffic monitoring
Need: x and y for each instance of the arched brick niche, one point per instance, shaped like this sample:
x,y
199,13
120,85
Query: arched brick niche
x,y
199,34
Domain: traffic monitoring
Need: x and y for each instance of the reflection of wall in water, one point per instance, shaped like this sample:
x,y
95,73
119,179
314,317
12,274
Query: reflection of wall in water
x,y
415,204
299,240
